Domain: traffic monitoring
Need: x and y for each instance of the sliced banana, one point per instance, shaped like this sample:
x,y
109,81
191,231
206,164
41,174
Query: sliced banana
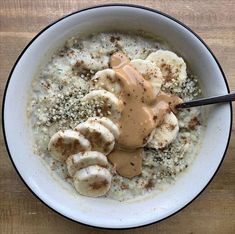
x,y
81,160
109,124
108,103
150,72
165,133
173,68
92,181
100,137
65,143
106,80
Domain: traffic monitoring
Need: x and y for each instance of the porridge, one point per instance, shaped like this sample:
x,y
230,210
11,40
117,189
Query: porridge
x,y
103,115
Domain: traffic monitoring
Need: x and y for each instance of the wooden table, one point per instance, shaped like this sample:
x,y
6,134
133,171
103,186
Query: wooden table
x,y
212,212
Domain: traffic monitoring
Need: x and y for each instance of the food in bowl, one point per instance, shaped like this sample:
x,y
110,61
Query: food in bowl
x,y
103,114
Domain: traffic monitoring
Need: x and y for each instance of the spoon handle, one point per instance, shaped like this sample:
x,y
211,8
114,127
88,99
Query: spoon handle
x,y
207,101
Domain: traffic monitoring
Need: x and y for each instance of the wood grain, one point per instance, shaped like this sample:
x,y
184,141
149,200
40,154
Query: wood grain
x,y
212,212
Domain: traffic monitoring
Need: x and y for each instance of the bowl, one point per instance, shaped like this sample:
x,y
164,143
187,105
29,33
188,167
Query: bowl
x,y
103,212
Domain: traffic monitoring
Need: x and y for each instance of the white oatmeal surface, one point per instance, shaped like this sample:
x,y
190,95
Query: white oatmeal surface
x,y
55,104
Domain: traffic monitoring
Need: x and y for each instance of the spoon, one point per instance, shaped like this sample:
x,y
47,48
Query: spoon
x,y
207,101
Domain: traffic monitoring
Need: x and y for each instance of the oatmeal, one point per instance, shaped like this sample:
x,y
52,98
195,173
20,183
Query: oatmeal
x,y
104,105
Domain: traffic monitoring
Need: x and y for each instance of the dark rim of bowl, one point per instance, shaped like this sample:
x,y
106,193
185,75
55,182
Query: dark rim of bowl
x,y
100,6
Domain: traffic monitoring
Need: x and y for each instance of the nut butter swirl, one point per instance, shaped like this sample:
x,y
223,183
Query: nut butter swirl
x,y
142,112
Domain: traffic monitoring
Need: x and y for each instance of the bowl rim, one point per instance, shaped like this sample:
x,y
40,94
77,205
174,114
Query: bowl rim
x,y
87,9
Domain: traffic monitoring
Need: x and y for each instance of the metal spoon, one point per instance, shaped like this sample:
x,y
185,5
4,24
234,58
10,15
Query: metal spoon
x,y
207,101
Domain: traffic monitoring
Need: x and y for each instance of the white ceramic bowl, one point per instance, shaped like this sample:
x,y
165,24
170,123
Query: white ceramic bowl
x,y
102,212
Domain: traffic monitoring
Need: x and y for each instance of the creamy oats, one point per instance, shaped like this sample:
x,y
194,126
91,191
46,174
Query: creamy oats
x,y
82,81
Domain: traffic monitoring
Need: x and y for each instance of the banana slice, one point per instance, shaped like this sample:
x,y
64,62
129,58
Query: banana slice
x,y
108,104
92,181
173,68
106,80
65,143
165,133
150,72
82,160
100,137
109,124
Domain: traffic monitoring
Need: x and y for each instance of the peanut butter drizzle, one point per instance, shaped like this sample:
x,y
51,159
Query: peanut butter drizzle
x,y
142,112
172,101
127,163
